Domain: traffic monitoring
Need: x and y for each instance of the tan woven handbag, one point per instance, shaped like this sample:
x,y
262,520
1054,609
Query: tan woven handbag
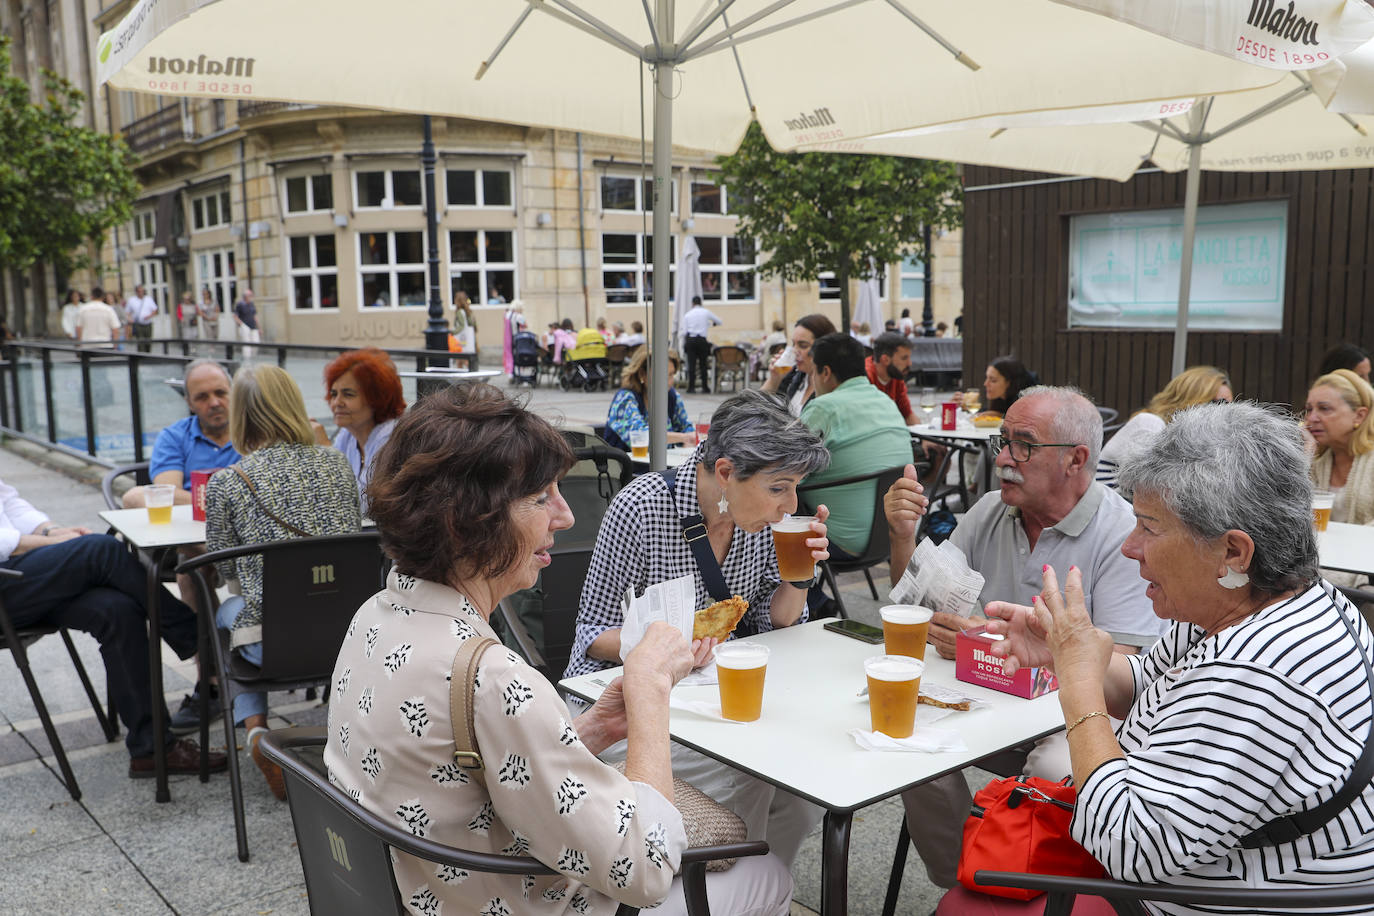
x,y
706,821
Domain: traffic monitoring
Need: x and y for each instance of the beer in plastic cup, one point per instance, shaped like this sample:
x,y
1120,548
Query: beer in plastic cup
x,y
158,498
893,683
949,415
905,628
199,480
639,444
1322,501
740,667
795,563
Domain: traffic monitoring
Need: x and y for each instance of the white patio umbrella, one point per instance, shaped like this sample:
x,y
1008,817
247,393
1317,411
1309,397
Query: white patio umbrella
x,y
869,308
806,70
688,285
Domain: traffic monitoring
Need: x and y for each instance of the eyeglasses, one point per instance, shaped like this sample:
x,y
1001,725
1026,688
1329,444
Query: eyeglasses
x,y
1021,450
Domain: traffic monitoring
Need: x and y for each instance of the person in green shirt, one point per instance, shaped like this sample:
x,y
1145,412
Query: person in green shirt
x,y
864,431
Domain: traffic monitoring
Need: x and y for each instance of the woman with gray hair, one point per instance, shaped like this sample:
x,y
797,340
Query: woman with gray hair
x,y
1250,715
743,478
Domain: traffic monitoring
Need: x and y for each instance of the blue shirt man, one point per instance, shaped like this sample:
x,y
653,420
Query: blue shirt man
x,y
198,442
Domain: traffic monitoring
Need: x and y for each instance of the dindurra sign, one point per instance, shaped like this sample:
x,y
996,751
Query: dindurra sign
x,y
203,66
1281,22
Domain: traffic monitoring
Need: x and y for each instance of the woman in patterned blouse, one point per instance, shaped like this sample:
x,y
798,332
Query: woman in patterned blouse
x,y
466,498
629,411
309,487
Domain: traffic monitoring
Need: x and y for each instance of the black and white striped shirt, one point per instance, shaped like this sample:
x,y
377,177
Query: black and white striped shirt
x,y
1227,732
640,543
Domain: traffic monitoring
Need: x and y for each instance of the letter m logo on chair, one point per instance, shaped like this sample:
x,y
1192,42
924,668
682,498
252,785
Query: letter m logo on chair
x,y
321,575
338,849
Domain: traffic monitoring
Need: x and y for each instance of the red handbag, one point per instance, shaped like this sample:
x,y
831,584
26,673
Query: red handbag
x,y
1022,824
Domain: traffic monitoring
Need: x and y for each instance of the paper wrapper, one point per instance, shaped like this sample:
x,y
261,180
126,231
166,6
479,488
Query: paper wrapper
x,y
672,601
939,578
922,741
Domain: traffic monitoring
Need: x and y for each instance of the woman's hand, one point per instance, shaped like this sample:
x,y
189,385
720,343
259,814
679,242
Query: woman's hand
x,y
663,651
702,651
1024,645
1081,651
321,437
904,503
819,542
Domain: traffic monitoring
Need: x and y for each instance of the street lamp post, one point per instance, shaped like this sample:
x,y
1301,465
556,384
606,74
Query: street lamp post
x,y
436,329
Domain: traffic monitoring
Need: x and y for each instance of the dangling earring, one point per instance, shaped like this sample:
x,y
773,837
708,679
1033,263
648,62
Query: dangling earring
x,y
722,504
1234,578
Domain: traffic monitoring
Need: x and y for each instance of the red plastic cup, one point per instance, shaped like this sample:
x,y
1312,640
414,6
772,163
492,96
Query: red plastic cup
x,y
949,415
702,430
199,479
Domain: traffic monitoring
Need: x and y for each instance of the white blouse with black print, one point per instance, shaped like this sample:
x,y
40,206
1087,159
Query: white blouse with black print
x,y
391,748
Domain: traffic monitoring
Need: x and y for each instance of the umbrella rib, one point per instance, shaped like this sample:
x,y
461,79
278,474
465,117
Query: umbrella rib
x,y
501,45
653,30
939,39
707,16
739,65
730,32
1355,125
1271,106
597,27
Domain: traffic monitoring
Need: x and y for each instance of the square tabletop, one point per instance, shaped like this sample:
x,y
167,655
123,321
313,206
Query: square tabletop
x,y
811,701
965,431
1349,548
134,525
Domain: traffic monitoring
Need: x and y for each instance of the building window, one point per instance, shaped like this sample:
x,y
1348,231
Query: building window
x,y
626,271
482,264
830,287
142,229
631,195
215,272
314,272
392,269
913,278
309,193
709,198
479,188
152,274
210,211
728,269
387,189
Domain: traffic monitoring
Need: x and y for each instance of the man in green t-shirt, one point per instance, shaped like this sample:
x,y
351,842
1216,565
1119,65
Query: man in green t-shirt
x,y
864,431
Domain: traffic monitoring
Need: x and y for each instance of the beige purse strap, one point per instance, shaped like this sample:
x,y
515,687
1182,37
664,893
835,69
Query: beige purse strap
x,y
460,704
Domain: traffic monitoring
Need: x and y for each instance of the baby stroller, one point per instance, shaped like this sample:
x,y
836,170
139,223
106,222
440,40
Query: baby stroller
x,y
525,358
584,365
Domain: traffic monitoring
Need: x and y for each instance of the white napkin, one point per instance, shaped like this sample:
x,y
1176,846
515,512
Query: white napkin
x,y
709,710
924,740
704,676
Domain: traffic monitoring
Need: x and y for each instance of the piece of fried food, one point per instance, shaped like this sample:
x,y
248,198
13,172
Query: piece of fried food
x,y
962,705
719,620
987,418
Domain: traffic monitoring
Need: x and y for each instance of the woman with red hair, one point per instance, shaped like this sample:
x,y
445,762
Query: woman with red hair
x,y
364,393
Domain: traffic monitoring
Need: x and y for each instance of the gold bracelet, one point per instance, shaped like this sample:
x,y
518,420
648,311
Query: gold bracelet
x,y
1081,719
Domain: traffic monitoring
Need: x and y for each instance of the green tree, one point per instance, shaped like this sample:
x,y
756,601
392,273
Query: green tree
x,y
813,212
61,185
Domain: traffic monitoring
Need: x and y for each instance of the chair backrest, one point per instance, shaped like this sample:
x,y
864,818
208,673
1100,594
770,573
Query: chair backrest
x,y
107,483
561,585
729,356
617,353
879,545
588,487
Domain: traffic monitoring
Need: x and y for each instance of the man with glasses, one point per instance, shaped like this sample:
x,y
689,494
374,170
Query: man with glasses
x,y
1049,511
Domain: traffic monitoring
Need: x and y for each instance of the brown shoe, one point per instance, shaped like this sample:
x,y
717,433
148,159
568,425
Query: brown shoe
x,y
276,782
183,759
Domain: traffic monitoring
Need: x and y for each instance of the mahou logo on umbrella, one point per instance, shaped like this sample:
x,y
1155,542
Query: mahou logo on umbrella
x,y
203,66
1281,22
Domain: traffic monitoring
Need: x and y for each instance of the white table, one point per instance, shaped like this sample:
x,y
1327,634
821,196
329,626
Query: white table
x,y
158,542
1348,548
964,432
676,458
453,376
802,745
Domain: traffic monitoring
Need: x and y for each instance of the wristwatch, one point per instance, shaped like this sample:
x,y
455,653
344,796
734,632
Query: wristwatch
x,y
46,528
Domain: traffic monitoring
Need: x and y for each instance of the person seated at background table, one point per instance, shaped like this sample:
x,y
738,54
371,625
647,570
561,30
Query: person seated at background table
x,y
1254,706
737,482
887,370
863,431
790,375
364,393
633,339
91,582
1004,381
285,486
1345,356
1048,511
195,443
564,338
1192,386
630,411
1337,417
861,332
466,499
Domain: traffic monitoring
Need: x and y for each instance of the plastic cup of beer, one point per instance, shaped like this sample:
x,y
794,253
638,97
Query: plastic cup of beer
x,y
795,563
893,684
740,667
1322,501
639,444
905,628
158,498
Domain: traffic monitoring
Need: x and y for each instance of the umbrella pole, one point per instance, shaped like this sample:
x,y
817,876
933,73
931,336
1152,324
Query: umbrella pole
x,y
663,185
1185,266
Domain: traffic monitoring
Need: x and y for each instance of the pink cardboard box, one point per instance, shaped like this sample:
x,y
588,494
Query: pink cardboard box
x,y
975,664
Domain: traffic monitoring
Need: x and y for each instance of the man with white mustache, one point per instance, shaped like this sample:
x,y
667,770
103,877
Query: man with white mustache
x,y
1048,511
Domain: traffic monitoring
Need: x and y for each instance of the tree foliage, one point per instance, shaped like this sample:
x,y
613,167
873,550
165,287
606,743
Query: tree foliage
x,y
61,184
813,212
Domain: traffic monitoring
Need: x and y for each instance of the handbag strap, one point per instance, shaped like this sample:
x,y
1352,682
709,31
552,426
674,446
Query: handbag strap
x,y
694,533
1290,827
461,703
263,506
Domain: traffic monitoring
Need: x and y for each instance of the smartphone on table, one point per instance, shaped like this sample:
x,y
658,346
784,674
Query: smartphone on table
x,y
856,629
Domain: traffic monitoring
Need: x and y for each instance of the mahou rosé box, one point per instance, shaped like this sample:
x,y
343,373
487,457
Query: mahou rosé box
x,y
975,664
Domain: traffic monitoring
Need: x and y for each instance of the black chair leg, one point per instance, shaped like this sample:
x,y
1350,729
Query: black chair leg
x,y
235,774
21,658
871,587
829,575
894,881
694,889
106,721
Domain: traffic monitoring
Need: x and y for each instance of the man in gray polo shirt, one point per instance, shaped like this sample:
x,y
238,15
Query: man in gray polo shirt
x,y
1049,511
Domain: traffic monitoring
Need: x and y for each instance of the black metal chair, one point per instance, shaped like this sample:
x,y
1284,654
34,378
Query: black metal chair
x,y
311,588
1110,421
731,363
17,640
346,850
1125,896
617,355
107,483
879,546
543,620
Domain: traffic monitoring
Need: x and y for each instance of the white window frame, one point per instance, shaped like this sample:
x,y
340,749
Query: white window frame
x,y
200,221
151,274
910,273
482,267
724,199
480,188
312,206
643,192
391,268
144,226
223,283
724,269
641,268
832,293
390,195
315,272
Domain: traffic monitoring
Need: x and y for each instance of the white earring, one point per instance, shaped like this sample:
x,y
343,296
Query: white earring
x,y
1234,578
723,504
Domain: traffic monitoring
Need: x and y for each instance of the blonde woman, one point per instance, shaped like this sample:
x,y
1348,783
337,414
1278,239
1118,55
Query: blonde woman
x,y
1337,419
1193,386
629,411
